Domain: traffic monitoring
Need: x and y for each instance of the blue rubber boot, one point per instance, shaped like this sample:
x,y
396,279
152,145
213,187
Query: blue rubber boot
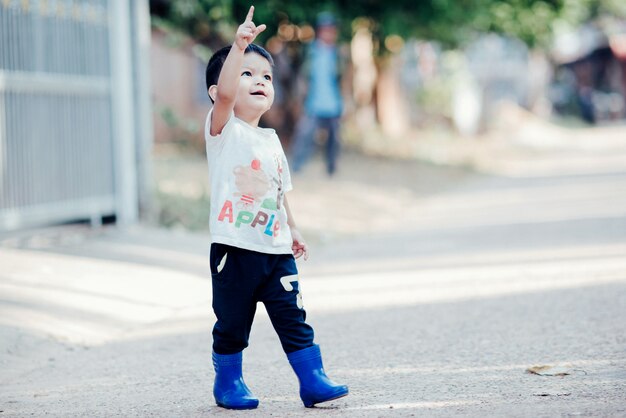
x,y
230,390
315,386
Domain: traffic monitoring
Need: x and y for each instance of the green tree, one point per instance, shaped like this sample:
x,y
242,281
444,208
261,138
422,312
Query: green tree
x,y
450,22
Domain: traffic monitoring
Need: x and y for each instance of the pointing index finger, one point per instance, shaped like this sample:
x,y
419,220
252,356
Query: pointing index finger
x,y
250,14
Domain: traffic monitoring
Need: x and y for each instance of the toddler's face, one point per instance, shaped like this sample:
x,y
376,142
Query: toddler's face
x,y
256,91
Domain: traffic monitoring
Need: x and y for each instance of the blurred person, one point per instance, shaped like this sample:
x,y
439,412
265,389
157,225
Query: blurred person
x,y
255,240
323,104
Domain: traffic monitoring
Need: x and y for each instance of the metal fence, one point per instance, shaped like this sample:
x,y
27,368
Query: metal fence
x,y
68,139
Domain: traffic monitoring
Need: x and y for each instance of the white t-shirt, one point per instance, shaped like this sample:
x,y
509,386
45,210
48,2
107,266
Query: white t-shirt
x,y
249,176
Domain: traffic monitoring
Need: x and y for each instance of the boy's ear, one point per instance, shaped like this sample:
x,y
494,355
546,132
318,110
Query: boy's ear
x,y
213,92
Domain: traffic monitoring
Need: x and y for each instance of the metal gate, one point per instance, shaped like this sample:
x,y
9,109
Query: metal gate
x,y
67,132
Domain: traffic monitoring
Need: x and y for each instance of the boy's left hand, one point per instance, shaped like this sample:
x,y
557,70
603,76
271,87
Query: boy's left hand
x,y
298,246
247,31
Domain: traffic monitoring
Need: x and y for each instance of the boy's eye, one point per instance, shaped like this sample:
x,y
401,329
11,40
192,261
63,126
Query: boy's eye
x,y
247,73
268,77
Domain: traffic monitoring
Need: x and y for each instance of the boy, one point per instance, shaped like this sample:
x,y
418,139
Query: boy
x,y
254,236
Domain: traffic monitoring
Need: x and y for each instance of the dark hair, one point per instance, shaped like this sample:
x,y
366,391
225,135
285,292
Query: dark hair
x,y
214,67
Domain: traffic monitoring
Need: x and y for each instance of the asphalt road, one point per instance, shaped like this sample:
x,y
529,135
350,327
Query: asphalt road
x,y
431,291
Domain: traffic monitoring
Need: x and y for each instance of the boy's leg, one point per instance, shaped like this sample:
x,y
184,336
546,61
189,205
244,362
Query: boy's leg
x,y
280,292
235,278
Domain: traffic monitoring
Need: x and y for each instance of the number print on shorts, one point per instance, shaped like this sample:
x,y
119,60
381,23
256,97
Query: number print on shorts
x,y
222,263
286,282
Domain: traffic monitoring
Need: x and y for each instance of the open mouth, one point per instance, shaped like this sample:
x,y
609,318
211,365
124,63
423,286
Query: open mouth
x,y
258,93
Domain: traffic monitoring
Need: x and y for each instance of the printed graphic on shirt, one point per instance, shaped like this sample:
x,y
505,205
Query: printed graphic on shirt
x,y
252,184
278,180
253,190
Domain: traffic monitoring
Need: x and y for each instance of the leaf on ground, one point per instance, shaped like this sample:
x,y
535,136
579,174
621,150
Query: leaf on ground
x,y
550,370
551,394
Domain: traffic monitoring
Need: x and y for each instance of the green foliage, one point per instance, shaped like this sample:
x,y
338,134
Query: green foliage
x,y
450,22
172,120
177,211
184,131
207,21
527,20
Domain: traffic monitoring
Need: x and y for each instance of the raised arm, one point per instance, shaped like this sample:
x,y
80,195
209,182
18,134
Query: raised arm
x,y
228,81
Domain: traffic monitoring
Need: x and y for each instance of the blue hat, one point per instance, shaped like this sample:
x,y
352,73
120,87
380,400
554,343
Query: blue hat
x,y
326,19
